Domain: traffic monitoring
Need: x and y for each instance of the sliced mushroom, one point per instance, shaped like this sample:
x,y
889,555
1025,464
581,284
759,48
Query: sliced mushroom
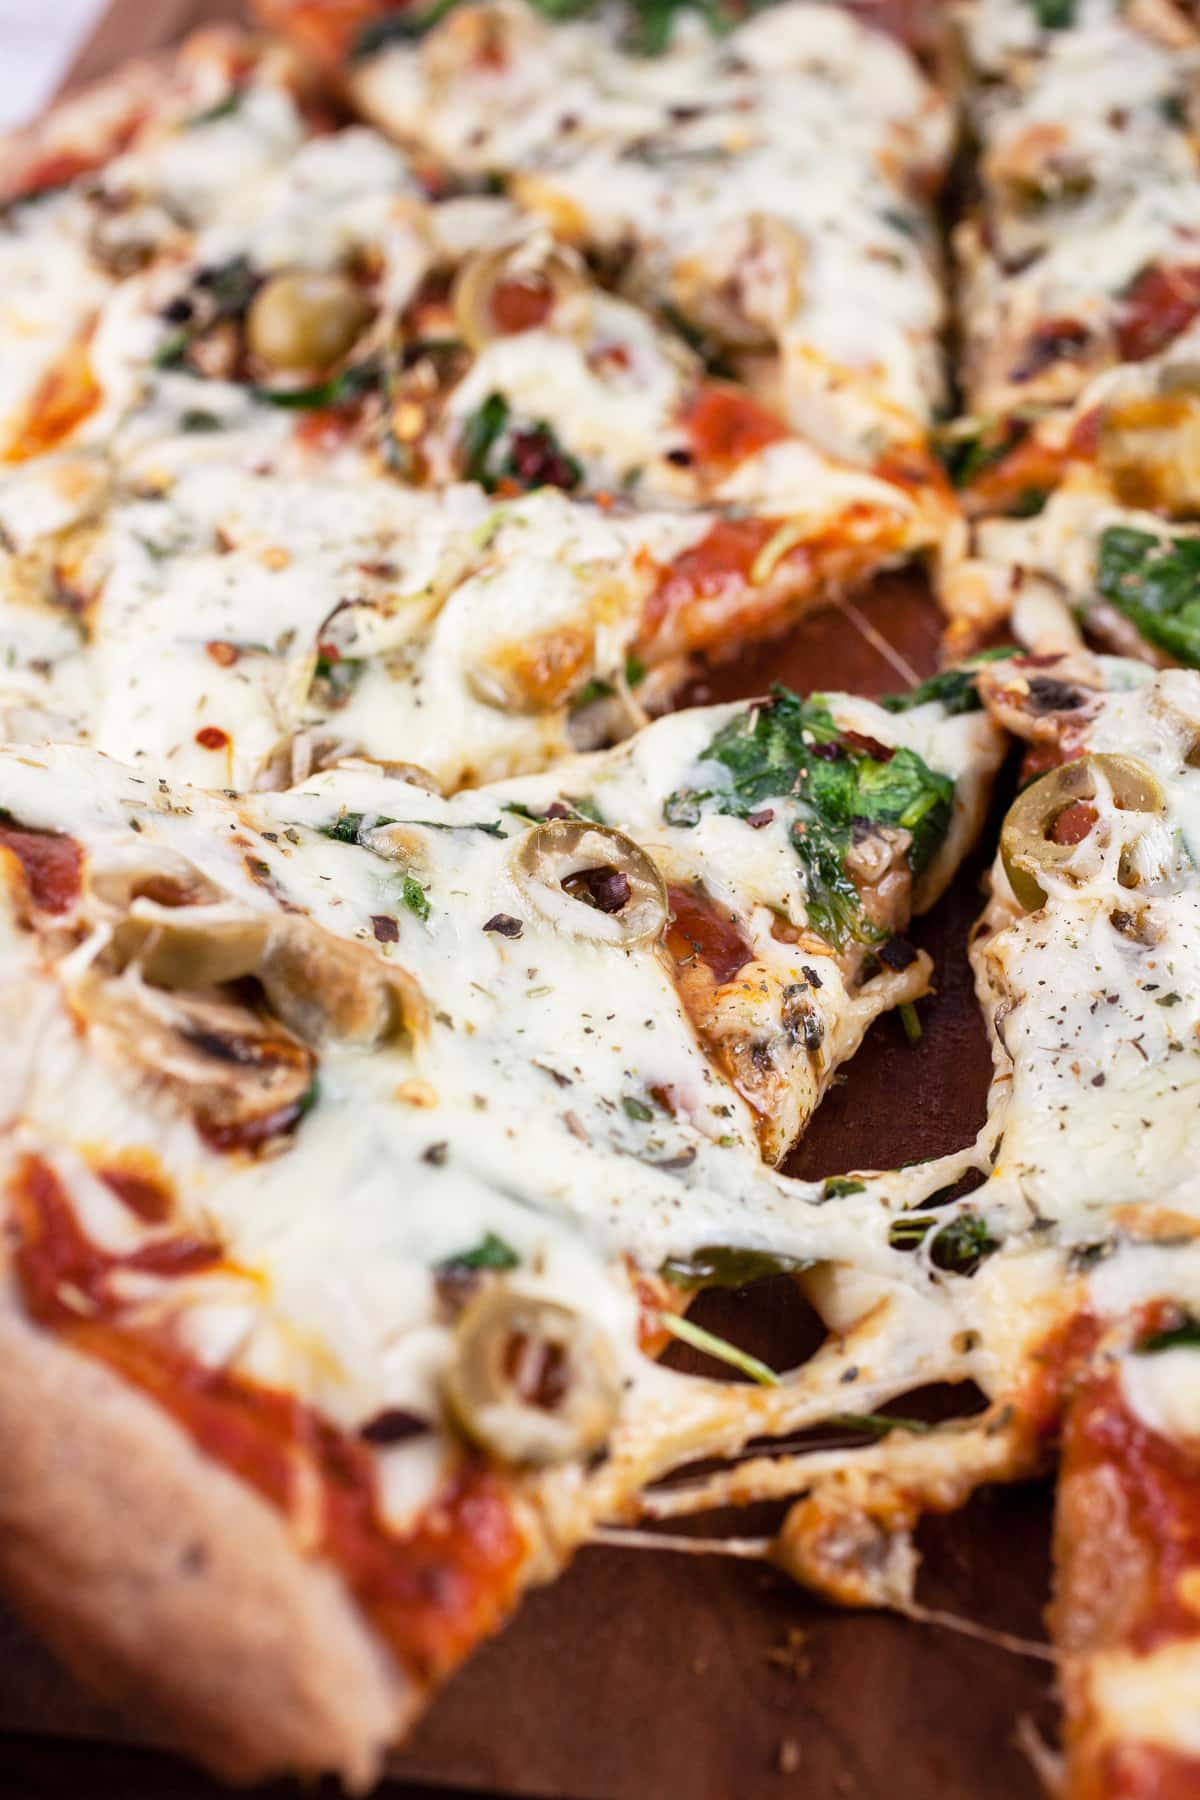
x,y
747,284
531,1381
1038,698
326,987
591,882
305,319
1033,841
851,1542
242,1077
184,932
877,862
191,946
509,289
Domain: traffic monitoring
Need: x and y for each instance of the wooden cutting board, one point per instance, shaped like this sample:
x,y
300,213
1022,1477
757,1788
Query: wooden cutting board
x,y
639,1676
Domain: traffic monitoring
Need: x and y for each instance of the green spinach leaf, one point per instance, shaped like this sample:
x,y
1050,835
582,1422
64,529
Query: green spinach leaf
x,y
789,751
1154,582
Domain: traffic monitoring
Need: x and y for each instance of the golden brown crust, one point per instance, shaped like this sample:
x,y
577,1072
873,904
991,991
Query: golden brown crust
x,y
170,1587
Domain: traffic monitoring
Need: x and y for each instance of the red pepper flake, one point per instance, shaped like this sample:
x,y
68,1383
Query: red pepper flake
x,y
387,931
756,820
211,737
223,654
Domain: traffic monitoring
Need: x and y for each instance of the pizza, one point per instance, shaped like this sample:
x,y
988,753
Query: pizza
x,y
361,1430
688,162
1079,297
1052,1262
283,341
401,412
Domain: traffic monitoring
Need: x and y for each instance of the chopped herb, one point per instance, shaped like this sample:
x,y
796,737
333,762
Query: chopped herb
x,y
346,827
635,670
169,354
711,354
224,109
1028,503
342,675
636,1109
227,289
967,449
839,1185
906,223
718,1347
1186,1334
1154,582
726,1266
954,688
1054,15
1171,999
415,897
491,1252
790,749
958,1247
590,692
877,1424
400,27
195,419
360,378
911,1022
586,807
480,435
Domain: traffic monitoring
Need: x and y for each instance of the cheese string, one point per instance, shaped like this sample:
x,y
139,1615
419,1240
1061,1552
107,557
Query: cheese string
x,y
760,1550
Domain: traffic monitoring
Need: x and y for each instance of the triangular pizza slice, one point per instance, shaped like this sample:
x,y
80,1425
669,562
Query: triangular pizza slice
x,y
330,1303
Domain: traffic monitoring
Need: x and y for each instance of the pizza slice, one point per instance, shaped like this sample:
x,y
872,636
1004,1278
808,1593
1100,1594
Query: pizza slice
x,y
1053,1263
240,630
110,180
277,1464
1079,289
824,294
1125,1620
234,238
1084,568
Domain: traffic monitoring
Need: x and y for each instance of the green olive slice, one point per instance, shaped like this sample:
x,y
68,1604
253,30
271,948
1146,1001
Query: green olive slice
x,y
591,882
305,319
502,291
1027,846
531,1381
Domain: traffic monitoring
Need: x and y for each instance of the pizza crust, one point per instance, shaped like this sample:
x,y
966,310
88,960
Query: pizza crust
x,y
172,1589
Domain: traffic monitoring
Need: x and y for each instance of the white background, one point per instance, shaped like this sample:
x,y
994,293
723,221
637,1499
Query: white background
x,y
37,41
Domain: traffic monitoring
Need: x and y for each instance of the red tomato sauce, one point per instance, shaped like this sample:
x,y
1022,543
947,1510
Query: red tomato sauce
x,y
1160,304
431,1592
725,426
67,393
1160,1484
717,568
699,931
51,863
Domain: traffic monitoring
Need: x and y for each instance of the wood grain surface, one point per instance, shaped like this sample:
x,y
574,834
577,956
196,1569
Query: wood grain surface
x,y
636,1675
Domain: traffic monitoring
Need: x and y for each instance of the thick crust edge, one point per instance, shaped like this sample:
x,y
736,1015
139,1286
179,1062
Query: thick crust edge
x,y
171,1588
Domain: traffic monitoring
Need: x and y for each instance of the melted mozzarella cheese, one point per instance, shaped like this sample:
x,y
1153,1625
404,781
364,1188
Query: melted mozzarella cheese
x,y
809,120
526,1107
